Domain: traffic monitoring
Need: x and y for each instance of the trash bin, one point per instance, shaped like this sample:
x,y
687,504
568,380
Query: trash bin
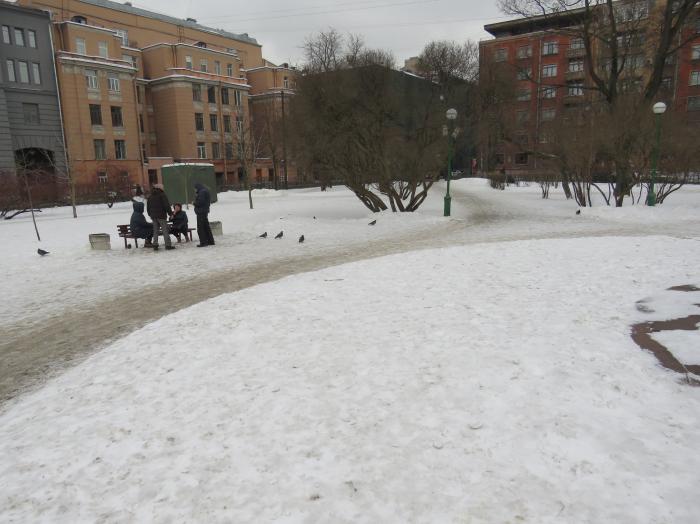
x,y
100,241
216,228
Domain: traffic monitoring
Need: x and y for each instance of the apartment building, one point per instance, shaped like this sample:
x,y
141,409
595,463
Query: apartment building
x,y
31,134
544,60
142,89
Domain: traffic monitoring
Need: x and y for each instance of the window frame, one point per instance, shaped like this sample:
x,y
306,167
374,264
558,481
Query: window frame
x,y
31,38
550,70
196,92
36,73
92,84
6,35
117,116
25,70
120,149
10,70
550,48
34,113
199,122
19,42
227,124
694,78
216,150
103,47
201,150
95,111
213,121
80,45
102,152
113,84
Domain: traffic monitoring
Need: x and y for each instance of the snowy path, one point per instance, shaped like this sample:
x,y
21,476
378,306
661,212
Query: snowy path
x,y
62,329
486,383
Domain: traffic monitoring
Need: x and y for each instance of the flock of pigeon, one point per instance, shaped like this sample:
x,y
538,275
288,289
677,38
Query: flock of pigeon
x,y
301,238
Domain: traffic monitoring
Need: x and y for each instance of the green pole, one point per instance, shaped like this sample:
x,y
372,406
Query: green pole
x,y
448,198
651,197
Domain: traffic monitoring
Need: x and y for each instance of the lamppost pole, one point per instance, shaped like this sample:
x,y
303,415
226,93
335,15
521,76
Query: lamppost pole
x,y
659,109
451,117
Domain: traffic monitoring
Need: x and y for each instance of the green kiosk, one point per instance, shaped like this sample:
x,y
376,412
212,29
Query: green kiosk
x,y
179,181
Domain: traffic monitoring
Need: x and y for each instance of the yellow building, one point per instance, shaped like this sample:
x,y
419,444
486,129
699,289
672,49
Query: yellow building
x,y
140,89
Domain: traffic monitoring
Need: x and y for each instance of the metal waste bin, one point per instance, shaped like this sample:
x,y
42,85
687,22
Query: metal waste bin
x,y
100,241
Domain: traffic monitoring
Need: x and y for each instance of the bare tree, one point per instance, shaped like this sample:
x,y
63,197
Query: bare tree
x,y
251,142
444,61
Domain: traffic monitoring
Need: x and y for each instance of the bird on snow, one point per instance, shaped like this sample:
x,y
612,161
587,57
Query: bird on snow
x,y
264,235
280,234
301,239
372,223
42,252
314,218
578,212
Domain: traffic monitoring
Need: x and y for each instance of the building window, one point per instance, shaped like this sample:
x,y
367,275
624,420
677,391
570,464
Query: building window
x,y
550,48
229,69
211,95
36,73
6,35
227,123
522,117
549,71
525,74
548,114
237,98
19,37
695,53
23,71
99,145
96,114
215,150
575,66
694,103
31,113
123,34
120,149
285,82
144,153
523,95
130,59
214,122
113,82
102,177
524,51
217,67
694,77
666,83
196,92
91,79
576,43
201,44
79,20
11,70
521,159
102,49
80,46
188,62
501,55
224,96
229,149
199,121
117,120
201,150
203,65
575,89
31,38
239,125
138,94
548,92
141,122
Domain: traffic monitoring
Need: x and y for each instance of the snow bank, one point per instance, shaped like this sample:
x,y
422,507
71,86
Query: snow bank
x,y
492,383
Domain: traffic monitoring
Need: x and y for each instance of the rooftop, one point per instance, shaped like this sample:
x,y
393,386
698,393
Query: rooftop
x,y
128,8
533,24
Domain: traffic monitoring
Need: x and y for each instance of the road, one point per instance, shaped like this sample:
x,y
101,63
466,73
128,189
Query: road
x,y
32,353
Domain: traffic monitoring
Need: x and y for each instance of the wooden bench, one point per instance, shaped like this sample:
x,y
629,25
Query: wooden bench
x,y
125,232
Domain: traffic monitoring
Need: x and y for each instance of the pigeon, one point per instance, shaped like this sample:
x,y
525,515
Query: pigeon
x,y
280,234
264,235
314,218
301,239
42,252
372,223
578,212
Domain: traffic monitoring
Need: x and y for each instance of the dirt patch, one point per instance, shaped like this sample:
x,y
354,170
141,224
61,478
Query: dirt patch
x,y
642,334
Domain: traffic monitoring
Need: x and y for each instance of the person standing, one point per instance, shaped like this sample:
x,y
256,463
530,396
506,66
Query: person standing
x,y
202,202
158,207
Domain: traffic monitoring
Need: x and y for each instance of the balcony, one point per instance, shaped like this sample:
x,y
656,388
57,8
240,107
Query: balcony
x,y
575,75
576,53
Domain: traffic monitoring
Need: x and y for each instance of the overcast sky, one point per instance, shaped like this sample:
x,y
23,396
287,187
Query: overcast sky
x,y
402,26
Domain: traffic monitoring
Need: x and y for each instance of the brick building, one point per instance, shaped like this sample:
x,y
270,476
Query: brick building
x,y
140,90
544,60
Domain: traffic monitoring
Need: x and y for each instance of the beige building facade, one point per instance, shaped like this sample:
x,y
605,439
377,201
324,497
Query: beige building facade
x,y
140,90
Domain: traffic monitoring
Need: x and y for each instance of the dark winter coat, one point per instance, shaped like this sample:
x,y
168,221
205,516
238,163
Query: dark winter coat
x,y
202,201
140,227
158,204
180,221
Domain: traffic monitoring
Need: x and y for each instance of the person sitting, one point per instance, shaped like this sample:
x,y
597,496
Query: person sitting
x,y
140,227
179,224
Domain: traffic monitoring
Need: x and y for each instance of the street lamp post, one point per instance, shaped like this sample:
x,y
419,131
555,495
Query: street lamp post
x,y
451,117
659,109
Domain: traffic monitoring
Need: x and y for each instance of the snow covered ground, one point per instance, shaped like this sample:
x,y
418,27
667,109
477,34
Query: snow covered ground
x,y
485,383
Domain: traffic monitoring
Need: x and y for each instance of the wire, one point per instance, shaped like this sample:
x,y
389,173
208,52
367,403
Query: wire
x,y
293,9
332,11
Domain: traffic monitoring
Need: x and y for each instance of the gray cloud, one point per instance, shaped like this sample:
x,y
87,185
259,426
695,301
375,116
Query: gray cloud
x,y
401,26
